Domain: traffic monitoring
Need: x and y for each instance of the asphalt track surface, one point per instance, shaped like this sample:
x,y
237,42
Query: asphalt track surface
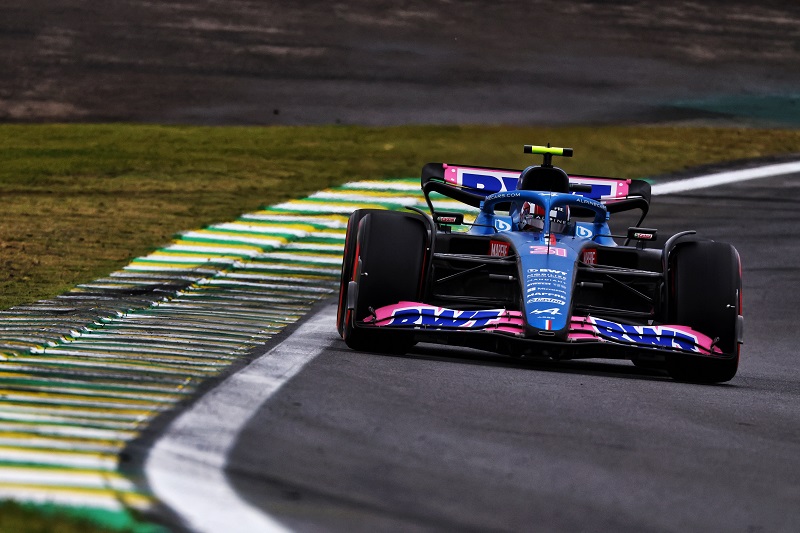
x,y
456,440
451,439
380,62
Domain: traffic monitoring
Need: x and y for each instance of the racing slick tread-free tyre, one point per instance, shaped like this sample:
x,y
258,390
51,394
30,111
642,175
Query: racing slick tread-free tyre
x,y
387,266
348,260
705,294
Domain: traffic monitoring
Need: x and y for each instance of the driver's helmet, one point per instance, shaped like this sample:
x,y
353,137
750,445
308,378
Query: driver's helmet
x,y
559,219
531,218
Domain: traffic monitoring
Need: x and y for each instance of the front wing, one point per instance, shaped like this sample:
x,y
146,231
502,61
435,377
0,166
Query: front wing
x,y
584,331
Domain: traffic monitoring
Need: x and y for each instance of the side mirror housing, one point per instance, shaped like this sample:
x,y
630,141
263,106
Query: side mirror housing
x,y
448,219
642,234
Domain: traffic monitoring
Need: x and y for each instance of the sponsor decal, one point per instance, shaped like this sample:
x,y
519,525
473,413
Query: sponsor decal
x,y
548,286
544,292
498,249
441,317
448,220
545,281
590,201
584,200
659,336
643,236
492,180
501,225
504,195
545,301
546,278
552,250
486,180
583,232
546,271
589,256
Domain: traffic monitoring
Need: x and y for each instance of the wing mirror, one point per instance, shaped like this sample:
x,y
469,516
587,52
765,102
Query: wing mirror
x,y
448,219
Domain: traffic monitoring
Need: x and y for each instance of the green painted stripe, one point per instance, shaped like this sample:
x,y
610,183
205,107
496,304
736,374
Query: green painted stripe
x,y
109,364
192,344
72,399
89,386
63,430
20,386
142,346
44,416
89,412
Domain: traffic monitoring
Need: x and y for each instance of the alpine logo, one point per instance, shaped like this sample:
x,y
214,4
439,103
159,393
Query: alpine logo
x,y
555,311
498,249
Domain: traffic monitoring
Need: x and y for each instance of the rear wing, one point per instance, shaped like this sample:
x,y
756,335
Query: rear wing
x,y
471,185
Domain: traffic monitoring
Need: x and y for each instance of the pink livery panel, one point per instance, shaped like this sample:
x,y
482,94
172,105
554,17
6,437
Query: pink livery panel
x,y
582,328
489,181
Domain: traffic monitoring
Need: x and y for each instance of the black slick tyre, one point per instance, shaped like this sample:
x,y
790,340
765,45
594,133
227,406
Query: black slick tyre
x,y
705,284
387,267
348,260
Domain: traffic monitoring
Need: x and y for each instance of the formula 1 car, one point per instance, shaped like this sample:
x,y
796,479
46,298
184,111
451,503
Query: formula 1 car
x,y
539,274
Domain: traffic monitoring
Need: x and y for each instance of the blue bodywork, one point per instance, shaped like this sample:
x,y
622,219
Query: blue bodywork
x,y
547,261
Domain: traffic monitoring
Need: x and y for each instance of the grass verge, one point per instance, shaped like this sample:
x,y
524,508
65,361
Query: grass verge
x,y
80,201
28,518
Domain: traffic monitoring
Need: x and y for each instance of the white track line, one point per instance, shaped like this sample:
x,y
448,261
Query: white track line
x,y
186,467
723,178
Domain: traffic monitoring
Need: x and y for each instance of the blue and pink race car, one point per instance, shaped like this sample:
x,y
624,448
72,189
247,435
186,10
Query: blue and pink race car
x,y
538,273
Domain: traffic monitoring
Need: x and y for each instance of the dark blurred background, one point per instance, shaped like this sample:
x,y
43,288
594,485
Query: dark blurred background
x,y
378,62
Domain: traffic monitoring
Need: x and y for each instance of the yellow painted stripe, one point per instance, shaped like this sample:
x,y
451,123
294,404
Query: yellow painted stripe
x,y
77,399
46,416
105,364
64,430
99,383
37,441
76,496
86,411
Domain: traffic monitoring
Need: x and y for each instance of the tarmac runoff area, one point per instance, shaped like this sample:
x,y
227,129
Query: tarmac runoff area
x,y
185,468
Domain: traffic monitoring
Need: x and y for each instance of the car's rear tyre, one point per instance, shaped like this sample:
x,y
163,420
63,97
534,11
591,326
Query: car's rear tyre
x,y
387,266
705,284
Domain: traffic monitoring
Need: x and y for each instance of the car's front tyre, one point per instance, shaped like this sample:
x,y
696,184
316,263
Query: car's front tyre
x,y
385,263
705,293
